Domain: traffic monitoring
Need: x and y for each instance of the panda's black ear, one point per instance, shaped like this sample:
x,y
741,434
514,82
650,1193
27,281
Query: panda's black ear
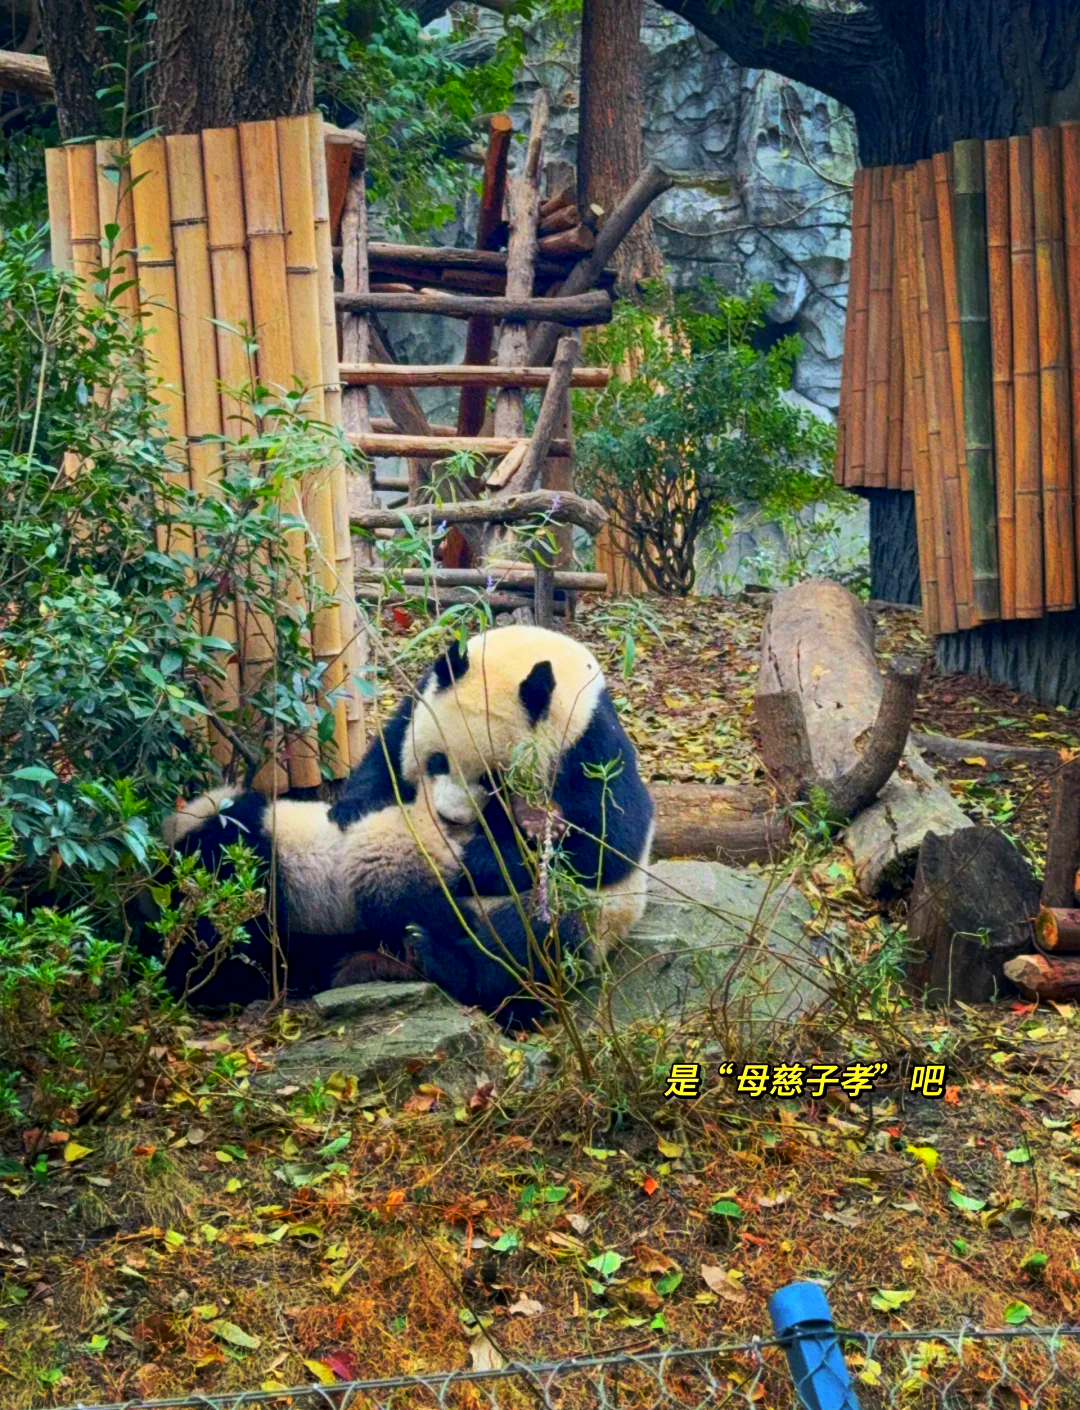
x,y
451,666
536,690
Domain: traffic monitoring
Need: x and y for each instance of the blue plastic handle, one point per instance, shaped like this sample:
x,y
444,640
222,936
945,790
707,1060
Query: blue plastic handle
x,y
802,1320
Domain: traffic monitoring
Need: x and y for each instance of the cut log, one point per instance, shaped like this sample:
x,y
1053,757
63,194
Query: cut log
x,y
571,310
971,909
958,751
27,73
1042,978
565,218
1063,840
1057,928
439,447
571,509
818,642
578,241
565,196
380,374
735,825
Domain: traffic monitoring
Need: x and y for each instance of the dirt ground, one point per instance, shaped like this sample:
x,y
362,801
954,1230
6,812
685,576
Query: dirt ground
x,y
211,1238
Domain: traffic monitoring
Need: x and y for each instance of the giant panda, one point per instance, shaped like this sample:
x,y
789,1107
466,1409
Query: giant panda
x,y
427,855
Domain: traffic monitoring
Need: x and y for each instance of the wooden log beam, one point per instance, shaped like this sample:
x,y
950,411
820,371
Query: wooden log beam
x,y
956,751
572,311
450,597
735,825
1042,978
565,218
439,447
27,73
571,509
818,643
542,442
1057,928
442,257
380,374
509,578
574,242
652,182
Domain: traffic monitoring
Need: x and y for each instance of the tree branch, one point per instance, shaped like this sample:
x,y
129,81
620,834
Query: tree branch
x,y
841,55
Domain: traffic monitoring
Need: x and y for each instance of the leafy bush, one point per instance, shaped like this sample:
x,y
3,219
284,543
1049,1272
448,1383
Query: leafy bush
x,y
701,427
107,670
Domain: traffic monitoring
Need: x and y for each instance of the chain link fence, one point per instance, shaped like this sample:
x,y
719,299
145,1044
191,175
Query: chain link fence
x,y
1023,1368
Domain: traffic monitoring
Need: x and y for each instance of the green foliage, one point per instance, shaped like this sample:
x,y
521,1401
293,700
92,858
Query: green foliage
x,y
417,100
701,428
108,661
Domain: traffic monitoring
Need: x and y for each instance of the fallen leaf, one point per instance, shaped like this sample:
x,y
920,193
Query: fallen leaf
x,y
719,1280
73,1151
651,1260
889,1299
525,1307
925,1155
230,1332
483,1355
650,1185
1017,1313
322,1372
195,1136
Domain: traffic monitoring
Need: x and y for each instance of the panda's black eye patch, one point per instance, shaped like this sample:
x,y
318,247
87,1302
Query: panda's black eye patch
x,y
536,690
451,666
438,764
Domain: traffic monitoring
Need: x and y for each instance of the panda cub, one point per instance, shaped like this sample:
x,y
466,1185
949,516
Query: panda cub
x,y
425,856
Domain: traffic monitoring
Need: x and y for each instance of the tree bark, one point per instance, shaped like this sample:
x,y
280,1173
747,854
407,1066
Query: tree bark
x,y
214,62
735,825
611,117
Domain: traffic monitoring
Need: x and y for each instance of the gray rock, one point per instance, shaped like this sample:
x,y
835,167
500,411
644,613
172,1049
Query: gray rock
x,y
713,936
389,1036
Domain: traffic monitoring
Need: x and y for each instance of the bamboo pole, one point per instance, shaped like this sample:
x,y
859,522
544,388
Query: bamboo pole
x,y
354,638
932,328
895,440
194,300
878,332
56,182
999,275
265,224
116,212
907,290
1025,383
302,274
1070,182
973,299
85,227
227,245
859,313
1055,415
961,530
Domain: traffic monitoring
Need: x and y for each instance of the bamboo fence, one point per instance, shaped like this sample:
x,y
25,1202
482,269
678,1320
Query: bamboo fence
x,y
961,377
227,236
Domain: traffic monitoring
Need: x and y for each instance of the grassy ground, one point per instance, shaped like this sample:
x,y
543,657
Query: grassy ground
x,y
213,1238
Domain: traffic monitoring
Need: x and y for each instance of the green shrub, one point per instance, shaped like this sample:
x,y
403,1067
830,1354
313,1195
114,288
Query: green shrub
x,y
700,428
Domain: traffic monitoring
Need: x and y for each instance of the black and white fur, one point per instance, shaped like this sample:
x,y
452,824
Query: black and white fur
x,y
422,851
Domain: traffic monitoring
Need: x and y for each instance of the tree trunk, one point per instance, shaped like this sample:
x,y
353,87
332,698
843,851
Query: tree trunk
x,y
215,62
610,121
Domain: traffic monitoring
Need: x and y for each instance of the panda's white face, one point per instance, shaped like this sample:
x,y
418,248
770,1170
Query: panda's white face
x,y
480,704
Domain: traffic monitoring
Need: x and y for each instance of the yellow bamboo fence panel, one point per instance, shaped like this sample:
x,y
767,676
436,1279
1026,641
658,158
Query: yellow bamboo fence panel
x,y
83,215
302,276
998,255
878,332
1055,417
859,312
1070,173
1025,382
353,632
896,444
56,182
195,303
265,223
962,575
907,286
116,209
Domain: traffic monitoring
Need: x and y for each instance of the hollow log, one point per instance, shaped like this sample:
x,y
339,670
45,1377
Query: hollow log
x,y
735,825
571,509
818,643
970,913
571,310
1063,839
1041,978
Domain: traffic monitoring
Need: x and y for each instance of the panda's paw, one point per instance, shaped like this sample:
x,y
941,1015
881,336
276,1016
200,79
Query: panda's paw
x,y
534,822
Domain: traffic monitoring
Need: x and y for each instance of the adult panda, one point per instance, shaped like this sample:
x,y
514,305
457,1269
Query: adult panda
x,y
425,853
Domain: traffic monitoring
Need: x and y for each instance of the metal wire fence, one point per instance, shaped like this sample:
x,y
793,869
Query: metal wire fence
x,y
1022,1368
